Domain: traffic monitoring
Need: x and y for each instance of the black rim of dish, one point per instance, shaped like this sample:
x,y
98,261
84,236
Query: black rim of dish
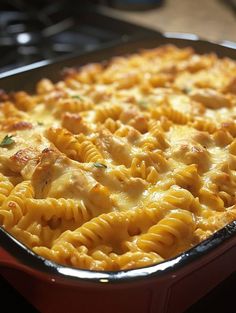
x,y
28,258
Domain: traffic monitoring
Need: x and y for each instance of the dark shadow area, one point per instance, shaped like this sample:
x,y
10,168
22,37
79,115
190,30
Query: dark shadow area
x,y
219,300
12,301
230,3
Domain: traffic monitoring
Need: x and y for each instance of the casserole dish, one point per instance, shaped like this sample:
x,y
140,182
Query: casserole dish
x,y
167,287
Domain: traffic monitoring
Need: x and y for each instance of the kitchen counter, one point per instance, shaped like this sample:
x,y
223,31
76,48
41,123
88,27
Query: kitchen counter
x,y
210,19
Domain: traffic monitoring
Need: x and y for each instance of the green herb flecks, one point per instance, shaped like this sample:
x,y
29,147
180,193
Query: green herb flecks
x,y
142,104
187,90
99,165
77,97
7,141
40,123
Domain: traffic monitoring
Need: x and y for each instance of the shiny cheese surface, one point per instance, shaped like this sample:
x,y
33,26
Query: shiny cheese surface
x,y
122,165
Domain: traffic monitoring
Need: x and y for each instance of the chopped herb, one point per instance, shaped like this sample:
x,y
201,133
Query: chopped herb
x,y
40,123
187,90
99,165
77,97
142,104
7,141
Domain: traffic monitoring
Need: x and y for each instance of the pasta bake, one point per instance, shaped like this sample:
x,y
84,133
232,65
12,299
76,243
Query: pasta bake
x,y
122,164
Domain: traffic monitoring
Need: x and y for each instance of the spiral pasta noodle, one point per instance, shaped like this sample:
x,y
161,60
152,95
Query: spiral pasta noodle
x,y
5,188
112,125
65,142
106,111
89,153
13,207
204,125
172,114
161,237
97,231
73,105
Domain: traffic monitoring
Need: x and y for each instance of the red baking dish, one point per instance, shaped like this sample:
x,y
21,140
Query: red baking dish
x,y
168,287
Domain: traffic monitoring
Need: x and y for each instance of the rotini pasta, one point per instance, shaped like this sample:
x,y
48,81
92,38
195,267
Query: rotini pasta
x,y
5,188
162,237
65,142
121,165
14,206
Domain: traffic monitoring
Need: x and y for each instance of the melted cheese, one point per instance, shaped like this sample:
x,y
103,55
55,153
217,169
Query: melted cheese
x,y
121,166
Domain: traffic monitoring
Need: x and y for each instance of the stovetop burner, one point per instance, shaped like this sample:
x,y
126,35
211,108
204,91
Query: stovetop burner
x,y
31,31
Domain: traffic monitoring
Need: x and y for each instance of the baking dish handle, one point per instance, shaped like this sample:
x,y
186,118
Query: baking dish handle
x,y
6,259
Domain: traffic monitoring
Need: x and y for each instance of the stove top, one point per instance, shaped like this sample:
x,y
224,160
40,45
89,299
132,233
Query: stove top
x,y
32,31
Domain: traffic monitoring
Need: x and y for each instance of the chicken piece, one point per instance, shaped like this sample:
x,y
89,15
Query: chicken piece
x,y
210,98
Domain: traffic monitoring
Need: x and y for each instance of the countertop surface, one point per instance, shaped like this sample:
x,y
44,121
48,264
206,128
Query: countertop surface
x,y
210,19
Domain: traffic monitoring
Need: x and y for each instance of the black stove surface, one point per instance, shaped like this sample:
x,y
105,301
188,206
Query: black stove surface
x,y
32,31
